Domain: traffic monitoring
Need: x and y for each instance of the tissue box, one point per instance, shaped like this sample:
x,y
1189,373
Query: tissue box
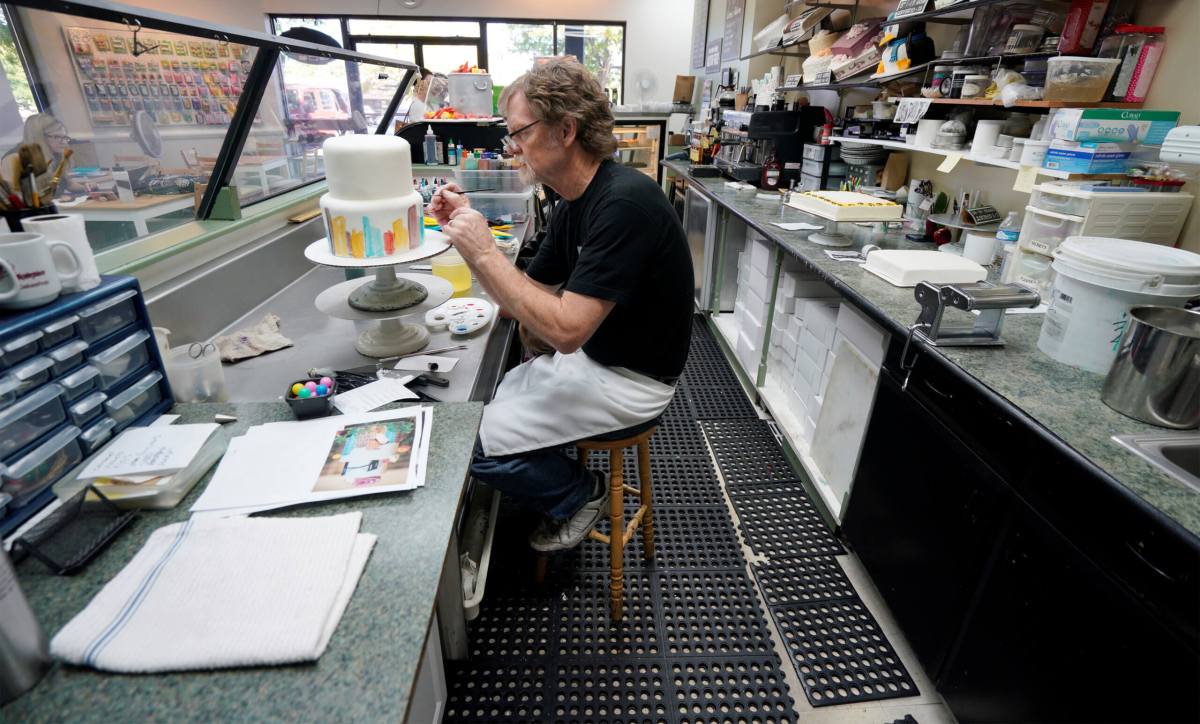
x,y
1087,157
1113,125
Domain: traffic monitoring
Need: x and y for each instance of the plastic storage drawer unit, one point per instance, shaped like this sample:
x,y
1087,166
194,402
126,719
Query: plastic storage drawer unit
x,y
1043,231
86,410
502,181
79,383
93,437
122,359
33,472
127,406
29,418
503,206
59,331
106,316
67,357
19,348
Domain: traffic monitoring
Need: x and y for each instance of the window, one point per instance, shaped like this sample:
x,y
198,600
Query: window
x,y
512,48
601,49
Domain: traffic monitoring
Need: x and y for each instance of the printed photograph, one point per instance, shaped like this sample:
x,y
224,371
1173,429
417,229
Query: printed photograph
x,y
374,454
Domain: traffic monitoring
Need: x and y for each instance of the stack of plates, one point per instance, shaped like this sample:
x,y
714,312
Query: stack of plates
x,y
863,154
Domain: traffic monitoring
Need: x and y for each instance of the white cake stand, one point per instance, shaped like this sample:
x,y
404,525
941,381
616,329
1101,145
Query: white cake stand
x,y
387,298
830,236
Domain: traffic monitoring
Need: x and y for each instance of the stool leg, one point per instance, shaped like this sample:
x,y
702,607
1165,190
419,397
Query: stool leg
x,y
647,500
539,574
616,537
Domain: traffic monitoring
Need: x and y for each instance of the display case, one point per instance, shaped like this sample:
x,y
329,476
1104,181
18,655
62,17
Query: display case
x,y
638,147
145,119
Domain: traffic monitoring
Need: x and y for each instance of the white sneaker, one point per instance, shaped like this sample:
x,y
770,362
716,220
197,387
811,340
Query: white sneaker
x,y
560,535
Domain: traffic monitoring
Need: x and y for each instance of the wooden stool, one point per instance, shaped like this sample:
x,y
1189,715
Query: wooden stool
x,y
643,518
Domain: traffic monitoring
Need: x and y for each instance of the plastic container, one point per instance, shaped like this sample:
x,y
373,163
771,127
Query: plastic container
x,y
1018,148
79,383
8,390
1034,271
1043,231
29,418
135,401
1139,49
195,379
1024,38
96,435
1046,199
514,207
1034,152
41,467
975,86
108,315
1034,72
312,405
19,348
31,374
449,265
86,409
1078,79
501,181
1097,281
121,359
59,331
67,357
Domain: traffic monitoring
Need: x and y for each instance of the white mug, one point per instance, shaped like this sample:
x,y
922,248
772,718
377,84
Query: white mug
x,y
29,272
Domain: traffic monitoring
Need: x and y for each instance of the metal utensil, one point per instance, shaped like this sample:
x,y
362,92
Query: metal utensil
x,y
1155,377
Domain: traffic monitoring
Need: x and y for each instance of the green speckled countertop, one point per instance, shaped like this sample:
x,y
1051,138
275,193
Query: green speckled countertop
x,y
1062,399
368,671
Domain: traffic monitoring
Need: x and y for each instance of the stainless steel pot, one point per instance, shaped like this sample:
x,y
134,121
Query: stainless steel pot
x,y
1156,375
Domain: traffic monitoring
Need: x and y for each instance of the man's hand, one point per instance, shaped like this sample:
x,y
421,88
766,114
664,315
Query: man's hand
x,y
446,201
469,234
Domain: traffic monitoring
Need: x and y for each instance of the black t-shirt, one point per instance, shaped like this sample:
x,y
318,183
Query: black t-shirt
x,y
621,241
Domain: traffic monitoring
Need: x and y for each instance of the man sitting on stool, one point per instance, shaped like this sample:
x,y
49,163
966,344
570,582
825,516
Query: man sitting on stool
x,y
610,289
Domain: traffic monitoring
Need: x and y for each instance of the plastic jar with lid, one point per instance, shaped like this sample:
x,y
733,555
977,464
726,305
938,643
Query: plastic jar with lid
x,y
1024,38
975,86
1139,48
939,82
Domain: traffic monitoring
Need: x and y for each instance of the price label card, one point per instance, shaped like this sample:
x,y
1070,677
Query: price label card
x,y
825,77
951,161
1026,178
911,110
983,215
909,7
792,80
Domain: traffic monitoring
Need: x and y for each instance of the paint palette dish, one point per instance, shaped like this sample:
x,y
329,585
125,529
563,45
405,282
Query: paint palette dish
x,y
311,397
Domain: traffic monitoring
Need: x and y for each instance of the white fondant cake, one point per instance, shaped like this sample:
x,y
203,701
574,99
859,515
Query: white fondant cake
x,y
846,206
371,210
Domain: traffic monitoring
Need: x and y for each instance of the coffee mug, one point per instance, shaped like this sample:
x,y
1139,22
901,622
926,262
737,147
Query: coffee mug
x,y
29,272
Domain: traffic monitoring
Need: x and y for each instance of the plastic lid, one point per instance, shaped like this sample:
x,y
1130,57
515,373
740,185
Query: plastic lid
x,y
35,366
1131,28
60,324
1134,266
24,340
103,304
64,352
79,377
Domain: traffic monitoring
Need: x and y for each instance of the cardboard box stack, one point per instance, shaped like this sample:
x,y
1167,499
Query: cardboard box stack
x,y
752,304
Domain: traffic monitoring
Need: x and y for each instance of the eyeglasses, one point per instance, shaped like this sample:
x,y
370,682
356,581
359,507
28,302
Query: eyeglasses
x,y
58,137
509,142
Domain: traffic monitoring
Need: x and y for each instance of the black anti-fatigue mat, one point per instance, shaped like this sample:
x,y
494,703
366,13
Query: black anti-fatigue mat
x,y
718,403
498,691
803,580
732,690
782,525
841,654
702,371
685,481
612,691
712,613
585,628
677,436
747,452
683,538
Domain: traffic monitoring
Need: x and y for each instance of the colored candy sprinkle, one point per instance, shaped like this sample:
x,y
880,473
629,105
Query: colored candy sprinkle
x,y
322,390
296,388
303,393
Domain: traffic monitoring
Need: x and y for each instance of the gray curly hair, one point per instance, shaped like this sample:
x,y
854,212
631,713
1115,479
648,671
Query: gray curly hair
x,y
562,88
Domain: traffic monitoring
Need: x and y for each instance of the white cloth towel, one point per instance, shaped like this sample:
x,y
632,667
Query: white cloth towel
x,y
222,592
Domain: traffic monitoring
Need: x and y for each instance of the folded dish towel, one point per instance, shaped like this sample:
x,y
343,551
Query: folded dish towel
x,y
245,343
222,592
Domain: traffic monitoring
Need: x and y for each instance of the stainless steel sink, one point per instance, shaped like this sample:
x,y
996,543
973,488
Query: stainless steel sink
x,y
1175,453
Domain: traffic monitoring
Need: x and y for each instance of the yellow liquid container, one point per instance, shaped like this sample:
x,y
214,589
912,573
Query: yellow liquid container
x,y
449,265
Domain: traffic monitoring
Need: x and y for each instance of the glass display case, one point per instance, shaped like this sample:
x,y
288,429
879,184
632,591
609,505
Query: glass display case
x,y
140,119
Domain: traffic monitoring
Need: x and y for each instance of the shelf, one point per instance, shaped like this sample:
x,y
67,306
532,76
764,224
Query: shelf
x,y
859,81
778,50
634,148
1028,104
939,16
966,155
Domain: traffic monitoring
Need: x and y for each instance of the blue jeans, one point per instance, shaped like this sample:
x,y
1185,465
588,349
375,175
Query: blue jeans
x,y
546,480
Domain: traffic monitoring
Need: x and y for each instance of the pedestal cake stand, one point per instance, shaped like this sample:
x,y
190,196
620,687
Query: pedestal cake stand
x,y
830,236
386,298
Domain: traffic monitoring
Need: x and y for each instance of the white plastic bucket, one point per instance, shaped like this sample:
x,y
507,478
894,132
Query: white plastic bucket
x,y
1097,281
471,93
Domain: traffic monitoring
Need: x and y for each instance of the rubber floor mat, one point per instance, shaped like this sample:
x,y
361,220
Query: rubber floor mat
x,y
732,690
784,525
802,580
747,452
712,613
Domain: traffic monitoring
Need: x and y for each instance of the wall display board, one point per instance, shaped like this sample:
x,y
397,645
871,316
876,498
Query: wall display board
x,y
179,81
699,32
712,57
731,43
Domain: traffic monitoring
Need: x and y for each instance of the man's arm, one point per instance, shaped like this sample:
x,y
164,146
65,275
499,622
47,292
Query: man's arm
x,y
565,321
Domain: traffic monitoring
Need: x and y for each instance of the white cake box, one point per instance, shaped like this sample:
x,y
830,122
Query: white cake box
x,y
868,336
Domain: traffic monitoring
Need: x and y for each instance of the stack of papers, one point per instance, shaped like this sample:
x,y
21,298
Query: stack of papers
x,y
143,461
282,464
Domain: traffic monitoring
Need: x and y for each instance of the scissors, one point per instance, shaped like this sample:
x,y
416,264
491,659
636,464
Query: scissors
x,y
197,350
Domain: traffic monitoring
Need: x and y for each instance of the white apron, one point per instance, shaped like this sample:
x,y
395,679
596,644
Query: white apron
x,y
556,399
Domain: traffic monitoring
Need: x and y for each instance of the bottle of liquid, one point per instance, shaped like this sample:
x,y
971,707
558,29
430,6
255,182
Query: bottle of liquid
x,y
429,147
451,153
1007,236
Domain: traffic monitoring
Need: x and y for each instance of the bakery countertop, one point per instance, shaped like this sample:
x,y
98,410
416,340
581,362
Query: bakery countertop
x,y
1061,401
362,675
